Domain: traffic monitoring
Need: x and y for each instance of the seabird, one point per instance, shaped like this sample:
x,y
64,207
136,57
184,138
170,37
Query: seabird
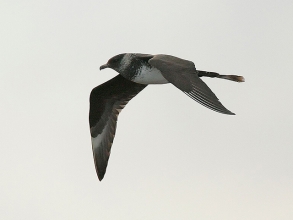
x,y
136,71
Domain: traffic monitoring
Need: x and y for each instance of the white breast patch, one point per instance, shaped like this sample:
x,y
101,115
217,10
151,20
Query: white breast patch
x,y
150,76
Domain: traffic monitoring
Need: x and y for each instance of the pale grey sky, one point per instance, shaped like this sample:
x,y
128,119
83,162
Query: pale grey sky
x,y
171,158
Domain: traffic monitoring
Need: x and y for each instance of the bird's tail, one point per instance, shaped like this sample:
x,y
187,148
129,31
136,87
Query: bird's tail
x,y
233,78
217,75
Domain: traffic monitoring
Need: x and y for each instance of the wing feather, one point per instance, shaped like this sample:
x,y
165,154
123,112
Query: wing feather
x,y
183,74
106,102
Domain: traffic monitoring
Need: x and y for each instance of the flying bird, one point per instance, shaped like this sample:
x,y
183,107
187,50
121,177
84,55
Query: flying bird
x,y
136,71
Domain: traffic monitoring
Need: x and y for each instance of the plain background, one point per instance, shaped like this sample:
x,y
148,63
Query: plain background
x,y
171,158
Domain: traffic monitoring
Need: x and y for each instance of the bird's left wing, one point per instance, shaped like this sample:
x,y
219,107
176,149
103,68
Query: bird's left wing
x,y
183,74
106,102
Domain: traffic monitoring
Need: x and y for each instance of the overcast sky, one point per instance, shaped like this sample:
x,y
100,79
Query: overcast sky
x,y
171,158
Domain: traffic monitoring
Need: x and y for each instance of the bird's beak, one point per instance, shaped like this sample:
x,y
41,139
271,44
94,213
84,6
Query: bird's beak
x,y
104,66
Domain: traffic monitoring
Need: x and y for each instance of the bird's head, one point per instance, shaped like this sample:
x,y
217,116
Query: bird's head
x,y
118,62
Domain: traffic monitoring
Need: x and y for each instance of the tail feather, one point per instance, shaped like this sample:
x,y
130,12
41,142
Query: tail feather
x,y
217,75
232,77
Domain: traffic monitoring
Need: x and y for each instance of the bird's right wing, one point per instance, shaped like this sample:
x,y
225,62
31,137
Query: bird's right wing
x,y
183,74
106,102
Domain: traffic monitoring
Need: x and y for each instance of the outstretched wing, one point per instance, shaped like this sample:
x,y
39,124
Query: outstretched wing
x,y
106,102
183,74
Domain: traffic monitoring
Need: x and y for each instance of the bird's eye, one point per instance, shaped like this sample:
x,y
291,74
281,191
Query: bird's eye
x,y
114,60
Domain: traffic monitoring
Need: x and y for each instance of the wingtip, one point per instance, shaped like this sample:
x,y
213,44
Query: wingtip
x,y
228,112
224,111
100,174
100,177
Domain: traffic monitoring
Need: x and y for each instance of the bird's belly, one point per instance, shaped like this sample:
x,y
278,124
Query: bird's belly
x,y
149,76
